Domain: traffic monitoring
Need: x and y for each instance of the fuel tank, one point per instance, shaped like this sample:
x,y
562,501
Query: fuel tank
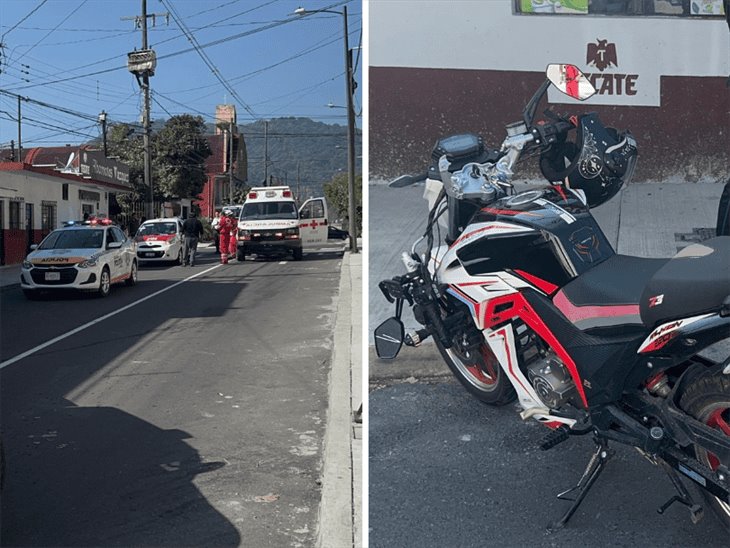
x,y
564,241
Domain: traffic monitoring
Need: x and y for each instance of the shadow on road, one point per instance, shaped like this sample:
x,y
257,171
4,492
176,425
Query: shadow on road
x,y
92,476
97,476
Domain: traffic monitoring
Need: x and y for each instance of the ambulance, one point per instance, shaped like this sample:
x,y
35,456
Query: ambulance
x,y
270,223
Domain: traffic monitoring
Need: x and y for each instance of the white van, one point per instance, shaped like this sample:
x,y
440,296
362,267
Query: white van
x,y
270,223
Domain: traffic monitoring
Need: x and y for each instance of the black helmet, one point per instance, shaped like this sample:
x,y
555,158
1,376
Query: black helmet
x,y
598,163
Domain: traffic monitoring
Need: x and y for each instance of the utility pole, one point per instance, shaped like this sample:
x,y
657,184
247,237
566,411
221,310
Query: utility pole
x,y
350,139
20,142
299,182
230,161
102,119
266,153
146,121
143,63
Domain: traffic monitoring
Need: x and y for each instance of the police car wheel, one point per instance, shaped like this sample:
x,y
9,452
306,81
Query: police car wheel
x,y
132,280
104,283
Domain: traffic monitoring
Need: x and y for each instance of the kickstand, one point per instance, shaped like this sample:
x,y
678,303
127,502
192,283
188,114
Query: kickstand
x,y
593,470
696,511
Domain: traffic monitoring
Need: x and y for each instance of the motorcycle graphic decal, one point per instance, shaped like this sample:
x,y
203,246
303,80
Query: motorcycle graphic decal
x,y
666,332
544,286
586,317
497,227
567,217
503,309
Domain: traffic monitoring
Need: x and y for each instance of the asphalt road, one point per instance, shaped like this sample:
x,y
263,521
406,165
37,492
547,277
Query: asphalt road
x,y
446,470
195,417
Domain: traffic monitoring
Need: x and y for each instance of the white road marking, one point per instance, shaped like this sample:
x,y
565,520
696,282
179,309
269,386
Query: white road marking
x,y
283,262
98,320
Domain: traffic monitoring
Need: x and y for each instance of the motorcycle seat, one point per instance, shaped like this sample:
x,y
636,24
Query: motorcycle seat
x,y
695,281
608,295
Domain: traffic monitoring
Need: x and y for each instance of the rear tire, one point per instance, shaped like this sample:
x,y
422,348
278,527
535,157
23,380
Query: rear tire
x,y
485,380
707,399
240,254
298,254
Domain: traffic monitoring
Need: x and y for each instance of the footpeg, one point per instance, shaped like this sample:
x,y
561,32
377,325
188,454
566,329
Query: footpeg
x,y
416,338
555,437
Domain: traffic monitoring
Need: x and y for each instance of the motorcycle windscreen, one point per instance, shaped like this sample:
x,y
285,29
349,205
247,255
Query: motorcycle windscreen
x,y
389,338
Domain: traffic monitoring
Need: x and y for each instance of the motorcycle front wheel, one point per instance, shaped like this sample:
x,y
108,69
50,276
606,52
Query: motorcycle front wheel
x,y
481,375
707,399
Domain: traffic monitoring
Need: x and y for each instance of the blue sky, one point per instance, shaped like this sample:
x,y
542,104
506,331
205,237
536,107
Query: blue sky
x,y
284,65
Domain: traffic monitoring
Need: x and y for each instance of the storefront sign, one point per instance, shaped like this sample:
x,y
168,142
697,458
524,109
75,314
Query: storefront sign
x,y
615,82
94,164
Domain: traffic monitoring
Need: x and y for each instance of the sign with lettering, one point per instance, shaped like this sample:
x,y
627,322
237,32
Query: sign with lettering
x,y
93,164
615,82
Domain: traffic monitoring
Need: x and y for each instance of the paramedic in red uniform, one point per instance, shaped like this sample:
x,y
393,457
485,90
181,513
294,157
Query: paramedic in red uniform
x,y
226,226
234,237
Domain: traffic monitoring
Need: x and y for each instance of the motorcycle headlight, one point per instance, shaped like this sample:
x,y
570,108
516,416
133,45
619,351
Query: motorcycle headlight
x,y
27,265
88,263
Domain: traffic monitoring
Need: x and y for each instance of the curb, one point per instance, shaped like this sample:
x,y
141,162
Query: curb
x,y
337,510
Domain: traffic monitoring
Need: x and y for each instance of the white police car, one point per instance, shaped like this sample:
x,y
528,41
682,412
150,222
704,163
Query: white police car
x,y
160,240
88,256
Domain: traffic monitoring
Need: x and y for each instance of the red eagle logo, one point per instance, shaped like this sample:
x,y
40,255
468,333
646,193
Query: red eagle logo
x,y
601,55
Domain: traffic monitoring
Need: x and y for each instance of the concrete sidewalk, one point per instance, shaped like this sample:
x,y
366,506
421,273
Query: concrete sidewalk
x,y
340,511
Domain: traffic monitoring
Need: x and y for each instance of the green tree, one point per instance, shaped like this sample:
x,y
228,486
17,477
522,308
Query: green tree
x,y
337,193
180,150
124,143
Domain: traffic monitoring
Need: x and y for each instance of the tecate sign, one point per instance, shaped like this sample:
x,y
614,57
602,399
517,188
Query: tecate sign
x,y
615,83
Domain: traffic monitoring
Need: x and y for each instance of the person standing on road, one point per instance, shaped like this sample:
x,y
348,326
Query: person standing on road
x,y
192,231
233,242
226,226
215,223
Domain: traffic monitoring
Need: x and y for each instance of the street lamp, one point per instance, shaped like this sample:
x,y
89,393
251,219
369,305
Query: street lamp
x,y
350,124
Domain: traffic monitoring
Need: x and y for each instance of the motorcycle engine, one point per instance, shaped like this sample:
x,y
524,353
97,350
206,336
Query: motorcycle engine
x,y
551,380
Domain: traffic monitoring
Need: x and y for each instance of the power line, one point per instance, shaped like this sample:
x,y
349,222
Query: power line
x,y
205,58
176,53
53,30
23,19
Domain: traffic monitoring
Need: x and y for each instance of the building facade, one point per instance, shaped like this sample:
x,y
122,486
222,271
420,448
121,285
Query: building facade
x,y
52,186
226,167
660,67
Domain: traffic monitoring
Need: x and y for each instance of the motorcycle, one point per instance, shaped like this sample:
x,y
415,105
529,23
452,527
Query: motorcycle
x,y
525,299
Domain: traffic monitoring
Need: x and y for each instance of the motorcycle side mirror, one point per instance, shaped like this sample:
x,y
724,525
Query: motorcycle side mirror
x,y
571,81
389,337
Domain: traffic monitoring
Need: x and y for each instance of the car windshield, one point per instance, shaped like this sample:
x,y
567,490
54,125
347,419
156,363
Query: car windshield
x,y
74,239
156,229
268,210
